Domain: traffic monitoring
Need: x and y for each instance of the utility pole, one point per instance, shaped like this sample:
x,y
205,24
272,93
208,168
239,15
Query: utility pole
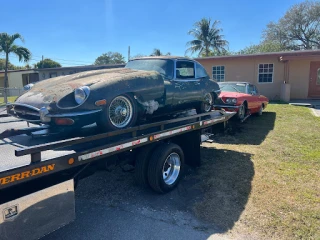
x,y
6,81
128,53
42,62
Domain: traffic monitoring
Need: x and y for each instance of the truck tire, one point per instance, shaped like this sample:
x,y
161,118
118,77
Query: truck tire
x,y
142,163
165,167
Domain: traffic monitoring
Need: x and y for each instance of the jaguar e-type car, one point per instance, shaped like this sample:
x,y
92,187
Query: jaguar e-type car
x,y
241,97
118,98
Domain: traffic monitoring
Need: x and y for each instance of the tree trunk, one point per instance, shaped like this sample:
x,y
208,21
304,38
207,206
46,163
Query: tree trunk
x,y
207,51
6,79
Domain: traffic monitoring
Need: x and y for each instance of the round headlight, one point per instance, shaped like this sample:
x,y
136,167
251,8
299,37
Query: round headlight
x,y
81,94
28,87
231,100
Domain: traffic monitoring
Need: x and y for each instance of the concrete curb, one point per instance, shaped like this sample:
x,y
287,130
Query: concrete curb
x,y
315,112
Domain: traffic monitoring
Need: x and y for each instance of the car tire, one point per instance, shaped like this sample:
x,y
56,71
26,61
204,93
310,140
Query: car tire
x,y
142,164
120,113
241,114
204,107
165,167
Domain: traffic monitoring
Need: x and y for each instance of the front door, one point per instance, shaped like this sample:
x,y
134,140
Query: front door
x,y
253,99
314,81
188,89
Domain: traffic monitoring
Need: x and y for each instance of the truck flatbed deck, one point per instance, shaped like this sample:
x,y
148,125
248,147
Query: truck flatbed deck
x,y
31,165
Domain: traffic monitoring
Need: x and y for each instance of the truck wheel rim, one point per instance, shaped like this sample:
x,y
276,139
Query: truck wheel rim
x,y
208,102
171,168
120,112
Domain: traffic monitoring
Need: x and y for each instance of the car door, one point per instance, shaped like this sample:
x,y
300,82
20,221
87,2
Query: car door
x,y
204,81
261,98
187,89
254,103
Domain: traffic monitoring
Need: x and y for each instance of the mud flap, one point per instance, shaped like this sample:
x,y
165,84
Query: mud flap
x,y
190,144
38,214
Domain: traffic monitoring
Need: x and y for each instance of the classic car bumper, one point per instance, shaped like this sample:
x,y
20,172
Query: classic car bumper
x,y
230,108
37,116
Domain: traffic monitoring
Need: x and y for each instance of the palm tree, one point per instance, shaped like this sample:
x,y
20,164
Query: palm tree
x,y
8,47
208,38
157,52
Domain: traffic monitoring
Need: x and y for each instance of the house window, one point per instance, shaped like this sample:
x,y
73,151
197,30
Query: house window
x,y
52,75
218,73
318,76
265,73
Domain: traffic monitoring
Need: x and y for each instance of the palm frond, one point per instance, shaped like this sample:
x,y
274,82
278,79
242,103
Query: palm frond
x,y
23,53
4,39
156,52
14,37
195,33
194,48
208,37
194,42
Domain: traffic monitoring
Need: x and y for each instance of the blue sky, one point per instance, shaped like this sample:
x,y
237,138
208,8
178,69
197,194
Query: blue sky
x,y
76,32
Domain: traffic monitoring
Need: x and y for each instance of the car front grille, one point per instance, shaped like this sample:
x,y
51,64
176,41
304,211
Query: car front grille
x,y
26,112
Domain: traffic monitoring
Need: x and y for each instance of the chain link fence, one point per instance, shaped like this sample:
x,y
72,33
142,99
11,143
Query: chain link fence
x,y
12,94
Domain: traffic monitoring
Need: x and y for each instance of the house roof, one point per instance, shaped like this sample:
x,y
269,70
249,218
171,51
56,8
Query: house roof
x,y
19,70
86,67
282,55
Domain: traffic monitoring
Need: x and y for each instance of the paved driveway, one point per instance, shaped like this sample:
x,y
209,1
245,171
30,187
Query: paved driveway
x,y
111,206
314,104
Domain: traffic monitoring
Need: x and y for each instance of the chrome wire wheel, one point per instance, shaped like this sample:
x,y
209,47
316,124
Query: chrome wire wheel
x,y
171,168
120,112
208,102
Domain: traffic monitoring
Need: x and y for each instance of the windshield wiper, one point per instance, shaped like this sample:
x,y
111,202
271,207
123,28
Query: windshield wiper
x,y
235,88
231,86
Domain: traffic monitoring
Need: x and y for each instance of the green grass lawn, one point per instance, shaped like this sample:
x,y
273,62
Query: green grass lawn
x,y
263,179
10,99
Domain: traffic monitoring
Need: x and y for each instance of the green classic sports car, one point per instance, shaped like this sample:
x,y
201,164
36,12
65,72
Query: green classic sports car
x,y
117,98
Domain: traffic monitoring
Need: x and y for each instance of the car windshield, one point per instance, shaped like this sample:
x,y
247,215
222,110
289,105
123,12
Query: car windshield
x,y
233,87
162,66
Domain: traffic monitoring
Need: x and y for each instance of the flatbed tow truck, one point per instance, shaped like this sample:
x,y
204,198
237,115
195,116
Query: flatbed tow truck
x,y
37,198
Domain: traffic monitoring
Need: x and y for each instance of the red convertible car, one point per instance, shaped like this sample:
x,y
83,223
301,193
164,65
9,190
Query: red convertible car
x,y
241,97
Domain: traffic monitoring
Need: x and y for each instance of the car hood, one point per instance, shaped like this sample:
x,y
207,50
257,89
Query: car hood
x,y
231,94
50,91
